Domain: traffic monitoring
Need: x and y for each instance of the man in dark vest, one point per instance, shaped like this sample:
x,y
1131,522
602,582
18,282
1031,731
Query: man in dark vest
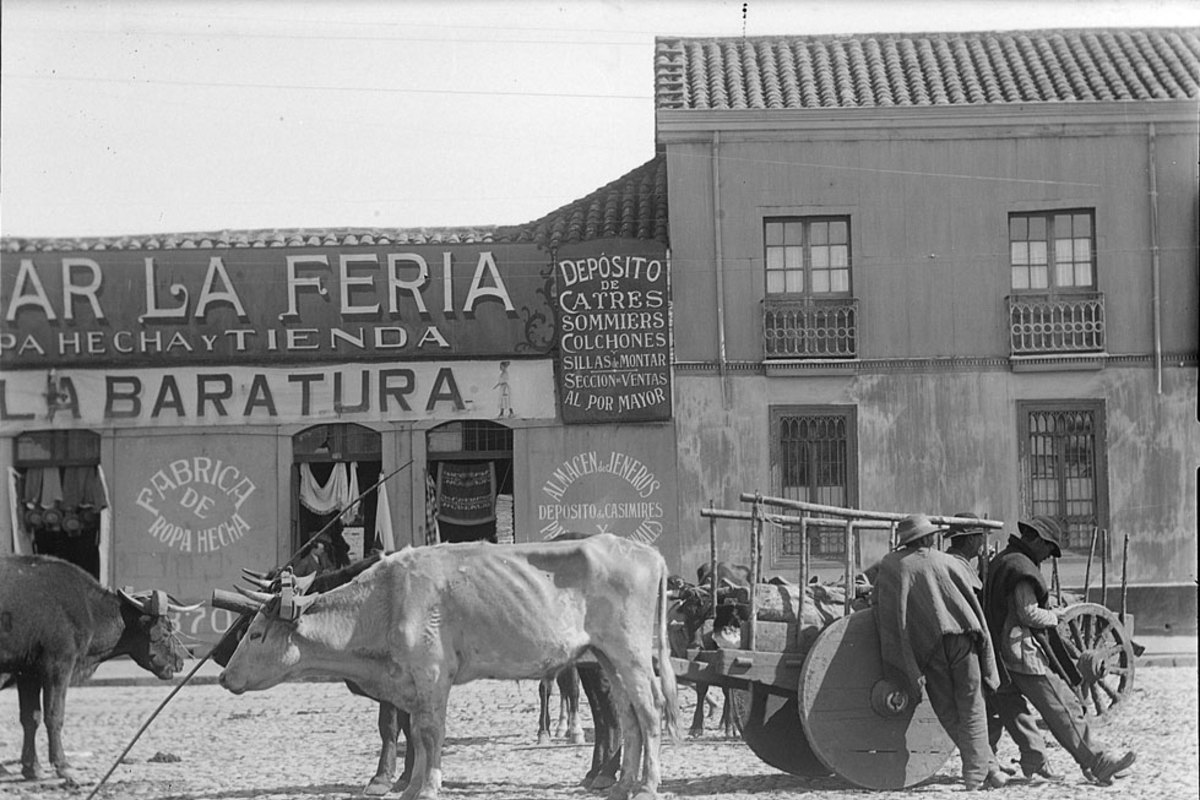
x,y
1030,652
1006,707
932,634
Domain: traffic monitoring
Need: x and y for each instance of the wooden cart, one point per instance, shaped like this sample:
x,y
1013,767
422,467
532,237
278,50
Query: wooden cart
x,y
815,702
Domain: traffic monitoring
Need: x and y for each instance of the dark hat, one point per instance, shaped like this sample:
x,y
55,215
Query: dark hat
x,y
963,528
1045,527
913,527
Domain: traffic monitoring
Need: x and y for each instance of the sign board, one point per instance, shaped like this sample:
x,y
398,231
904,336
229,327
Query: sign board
x,y
193,510
277,305
245,395
614,323
617,479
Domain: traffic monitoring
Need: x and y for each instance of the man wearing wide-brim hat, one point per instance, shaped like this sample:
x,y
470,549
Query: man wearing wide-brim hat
x,y
1030,652
968,543
1006,707
932,634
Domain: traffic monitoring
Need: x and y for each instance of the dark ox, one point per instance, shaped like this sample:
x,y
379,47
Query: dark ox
x,y
425,619
57,624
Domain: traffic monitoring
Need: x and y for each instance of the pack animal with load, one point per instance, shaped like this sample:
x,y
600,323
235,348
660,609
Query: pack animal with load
x,y
57,624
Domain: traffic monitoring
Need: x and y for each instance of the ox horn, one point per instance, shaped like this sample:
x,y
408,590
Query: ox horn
x,y
128,596
231,601
258,597
261,583
255,574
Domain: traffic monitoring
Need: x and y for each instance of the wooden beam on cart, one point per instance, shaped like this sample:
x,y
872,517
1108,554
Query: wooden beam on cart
x,y
858,513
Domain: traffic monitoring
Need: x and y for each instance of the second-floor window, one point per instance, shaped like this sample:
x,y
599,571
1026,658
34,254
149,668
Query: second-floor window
x,y
808,255
1052,251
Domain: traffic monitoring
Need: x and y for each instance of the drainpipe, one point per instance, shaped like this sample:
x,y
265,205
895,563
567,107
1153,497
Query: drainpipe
x,y
719,262
1154,260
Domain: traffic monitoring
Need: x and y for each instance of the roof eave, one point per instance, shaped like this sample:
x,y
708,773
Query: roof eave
x,y
677,125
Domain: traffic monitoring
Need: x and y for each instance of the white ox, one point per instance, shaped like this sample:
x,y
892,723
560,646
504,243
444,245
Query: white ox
x,y
425,619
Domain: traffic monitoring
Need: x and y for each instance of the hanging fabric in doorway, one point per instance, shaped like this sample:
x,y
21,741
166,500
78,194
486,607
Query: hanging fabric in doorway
x,y
467,492
432,534
336,494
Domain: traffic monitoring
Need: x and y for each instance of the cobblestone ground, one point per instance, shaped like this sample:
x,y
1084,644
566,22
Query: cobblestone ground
x,y
316,741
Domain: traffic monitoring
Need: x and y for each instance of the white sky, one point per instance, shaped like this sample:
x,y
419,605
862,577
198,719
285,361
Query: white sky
x,y
129,117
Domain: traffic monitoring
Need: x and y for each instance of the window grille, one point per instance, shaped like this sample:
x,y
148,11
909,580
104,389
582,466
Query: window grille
x,y
1066,468
814,462
57,448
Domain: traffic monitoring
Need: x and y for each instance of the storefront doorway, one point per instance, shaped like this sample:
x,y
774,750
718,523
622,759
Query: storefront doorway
x,y
331,465
61,494
470,480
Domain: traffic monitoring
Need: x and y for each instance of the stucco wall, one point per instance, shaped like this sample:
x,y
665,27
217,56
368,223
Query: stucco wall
x,y
940,442
929,232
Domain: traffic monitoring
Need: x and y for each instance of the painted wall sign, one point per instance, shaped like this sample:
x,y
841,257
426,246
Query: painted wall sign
x,y
614,332
287,304
194,504
602,491
265,395
192,510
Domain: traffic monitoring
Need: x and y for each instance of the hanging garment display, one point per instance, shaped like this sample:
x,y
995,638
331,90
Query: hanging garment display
x,y
467,492
52,492
351,494
432,535
81,487
333,496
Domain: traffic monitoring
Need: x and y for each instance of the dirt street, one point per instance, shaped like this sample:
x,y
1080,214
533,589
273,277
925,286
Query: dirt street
x,y
316,741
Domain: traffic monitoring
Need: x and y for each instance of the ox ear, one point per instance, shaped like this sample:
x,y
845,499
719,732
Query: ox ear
x,y
304,582
262,598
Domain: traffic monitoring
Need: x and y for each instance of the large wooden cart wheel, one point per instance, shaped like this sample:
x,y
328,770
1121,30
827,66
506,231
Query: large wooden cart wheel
x,y
860,725
1103,652
771,728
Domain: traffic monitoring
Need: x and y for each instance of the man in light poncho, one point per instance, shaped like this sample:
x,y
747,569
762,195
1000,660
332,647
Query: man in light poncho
x,y
933,637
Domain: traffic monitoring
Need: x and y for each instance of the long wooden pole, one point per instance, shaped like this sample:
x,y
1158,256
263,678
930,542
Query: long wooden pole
x,y
1124,577
755,529
1087,572
1104,569
146,724
712,562
208,655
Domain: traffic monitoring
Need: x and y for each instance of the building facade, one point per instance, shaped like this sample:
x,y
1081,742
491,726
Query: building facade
x,y
938,273
173,409
909,273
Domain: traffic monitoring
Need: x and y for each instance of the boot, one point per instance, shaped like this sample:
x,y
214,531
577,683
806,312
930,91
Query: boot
x,y
1107,766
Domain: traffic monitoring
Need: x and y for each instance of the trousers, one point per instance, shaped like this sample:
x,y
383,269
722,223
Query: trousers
x,y
1062,713
1008,711
954,684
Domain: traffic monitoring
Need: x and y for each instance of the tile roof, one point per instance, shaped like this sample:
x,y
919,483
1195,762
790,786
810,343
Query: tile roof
x,y
903,69
632,206
265,237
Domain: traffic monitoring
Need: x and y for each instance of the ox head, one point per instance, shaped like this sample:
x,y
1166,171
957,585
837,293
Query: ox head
x,y
267,653
149,635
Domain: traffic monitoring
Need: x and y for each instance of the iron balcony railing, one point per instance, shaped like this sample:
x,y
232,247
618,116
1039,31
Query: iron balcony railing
x,y
810,328
1043,323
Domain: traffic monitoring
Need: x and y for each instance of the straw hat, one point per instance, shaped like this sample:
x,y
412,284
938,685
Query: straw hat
x,y
965,529
913,527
